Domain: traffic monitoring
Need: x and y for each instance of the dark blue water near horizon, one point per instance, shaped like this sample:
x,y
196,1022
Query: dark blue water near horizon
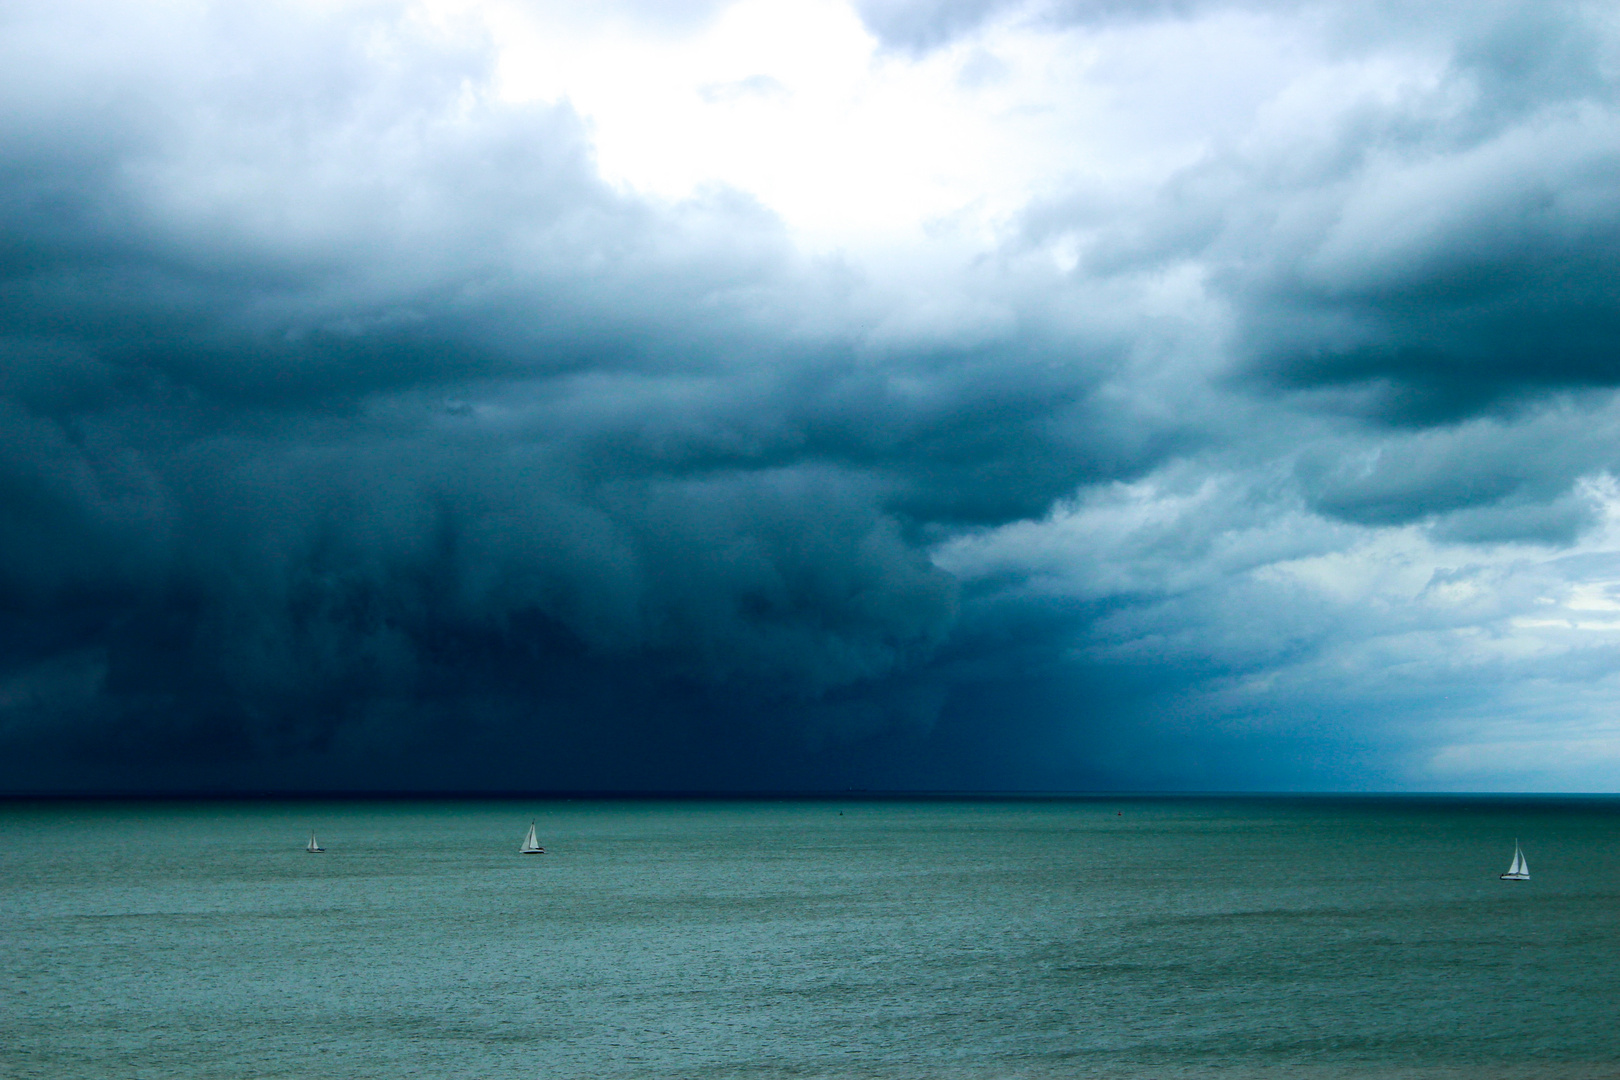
x,y
1112,936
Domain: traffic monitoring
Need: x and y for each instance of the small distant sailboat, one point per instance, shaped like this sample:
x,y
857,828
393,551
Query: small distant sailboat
x,y
1520,870
531,843
314,845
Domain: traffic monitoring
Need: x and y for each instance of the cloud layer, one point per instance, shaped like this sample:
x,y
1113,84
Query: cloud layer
x,y
355,429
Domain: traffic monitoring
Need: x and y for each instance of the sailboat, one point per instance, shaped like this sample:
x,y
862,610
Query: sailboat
x,y
314,845
1520,870
531,843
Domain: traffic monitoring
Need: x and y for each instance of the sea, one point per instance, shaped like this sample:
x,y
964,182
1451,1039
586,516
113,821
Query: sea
x,y
1100,936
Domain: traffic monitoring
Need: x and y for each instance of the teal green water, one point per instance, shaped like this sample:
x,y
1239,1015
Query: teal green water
x,y
1127,938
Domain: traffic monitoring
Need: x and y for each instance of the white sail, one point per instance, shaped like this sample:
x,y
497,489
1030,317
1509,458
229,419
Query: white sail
x,y
531,843
1520,869
314,844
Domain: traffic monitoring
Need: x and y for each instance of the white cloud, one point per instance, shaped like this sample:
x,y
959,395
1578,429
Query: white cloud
x,y
1475,666
858,147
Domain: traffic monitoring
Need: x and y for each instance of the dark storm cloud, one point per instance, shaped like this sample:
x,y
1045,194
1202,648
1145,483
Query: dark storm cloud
x,y
1417,251
1499,287
1434,249
1516,474
339,398
353,431
1429,252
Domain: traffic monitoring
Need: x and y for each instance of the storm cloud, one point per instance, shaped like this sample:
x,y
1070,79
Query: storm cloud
x,y
360,425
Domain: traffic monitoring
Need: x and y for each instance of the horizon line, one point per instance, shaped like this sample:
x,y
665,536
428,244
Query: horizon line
x,y
751,795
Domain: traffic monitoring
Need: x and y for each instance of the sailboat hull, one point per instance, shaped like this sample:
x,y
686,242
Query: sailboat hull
x,y
1515,877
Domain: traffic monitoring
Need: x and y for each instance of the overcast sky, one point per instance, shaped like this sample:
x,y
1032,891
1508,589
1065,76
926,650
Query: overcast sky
x,y
946,394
